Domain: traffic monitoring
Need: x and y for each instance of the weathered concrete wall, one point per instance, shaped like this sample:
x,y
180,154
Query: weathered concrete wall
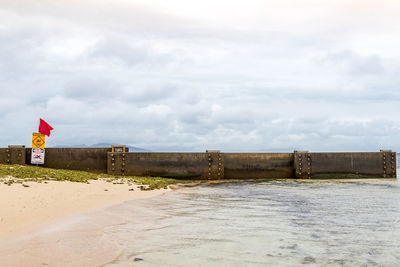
x,y
345,165
179,165
214,164
82,159
209,165
258,165
12,155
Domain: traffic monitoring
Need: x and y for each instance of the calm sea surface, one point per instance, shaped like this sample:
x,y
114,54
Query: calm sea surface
x,y
281,223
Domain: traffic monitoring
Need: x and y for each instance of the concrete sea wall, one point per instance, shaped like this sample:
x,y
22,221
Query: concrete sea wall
x,y
158,164
217,165
81,159
214,164
258,165
345,165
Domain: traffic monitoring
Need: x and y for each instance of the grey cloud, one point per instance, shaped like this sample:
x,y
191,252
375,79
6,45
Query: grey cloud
x,y
355,64
127,53
138,75
90,88
144,94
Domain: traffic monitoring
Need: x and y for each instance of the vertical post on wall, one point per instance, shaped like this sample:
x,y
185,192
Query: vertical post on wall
x,y
388,163
114,163
8,152
215,168
302,164
394,164
116,160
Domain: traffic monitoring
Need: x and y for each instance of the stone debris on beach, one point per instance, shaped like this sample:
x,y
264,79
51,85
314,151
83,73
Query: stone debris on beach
x,y
144,187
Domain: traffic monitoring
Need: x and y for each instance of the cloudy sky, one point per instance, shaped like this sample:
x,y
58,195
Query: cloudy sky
x,y
186,75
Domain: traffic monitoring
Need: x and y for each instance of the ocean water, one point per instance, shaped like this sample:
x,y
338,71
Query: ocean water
x,y
279,223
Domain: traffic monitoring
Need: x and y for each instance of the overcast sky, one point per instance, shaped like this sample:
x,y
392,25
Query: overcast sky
x,y
186,75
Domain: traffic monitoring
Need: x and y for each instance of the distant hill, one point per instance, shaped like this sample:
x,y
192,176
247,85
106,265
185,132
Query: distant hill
x,y
280,150
131,148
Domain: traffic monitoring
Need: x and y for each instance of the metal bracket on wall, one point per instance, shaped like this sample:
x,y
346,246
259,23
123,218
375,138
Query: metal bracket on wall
x,y
302,164
389,163
215,164
119,148
111,169
123,164
8,156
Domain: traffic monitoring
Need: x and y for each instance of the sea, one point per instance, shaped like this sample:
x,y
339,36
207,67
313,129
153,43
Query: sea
x,y
265,223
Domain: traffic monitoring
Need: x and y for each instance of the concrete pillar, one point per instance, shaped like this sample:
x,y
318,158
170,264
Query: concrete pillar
x,y
116,163
215,165
388,163
302,164
16,154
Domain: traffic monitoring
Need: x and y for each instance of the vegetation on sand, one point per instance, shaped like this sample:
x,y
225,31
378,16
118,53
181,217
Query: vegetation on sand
x,y
10,174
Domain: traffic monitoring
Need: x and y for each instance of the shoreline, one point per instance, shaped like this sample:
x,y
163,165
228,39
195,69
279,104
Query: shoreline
x,y
98,235
25,209
74,233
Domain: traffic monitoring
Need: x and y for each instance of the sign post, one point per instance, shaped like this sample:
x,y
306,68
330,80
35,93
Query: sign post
x,y
38,144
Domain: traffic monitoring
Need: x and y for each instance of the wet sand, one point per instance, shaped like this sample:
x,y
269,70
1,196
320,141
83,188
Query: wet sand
x,y
25,209
47,224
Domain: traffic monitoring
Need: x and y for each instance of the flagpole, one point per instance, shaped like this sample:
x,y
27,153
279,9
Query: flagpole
x,y
38,129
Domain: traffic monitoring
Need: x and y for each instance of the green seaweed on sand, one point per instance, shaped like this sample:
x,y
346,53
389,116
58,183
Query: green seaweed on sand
x,y
11,174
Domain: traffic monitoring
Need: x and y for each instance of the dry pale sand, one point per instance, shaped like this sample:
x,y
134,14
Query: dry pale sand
x,y
61,223
24,209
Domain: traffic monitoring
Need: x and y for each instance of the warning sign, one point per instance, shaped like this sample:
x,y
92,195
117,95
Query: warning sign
x,y
38,140
37,156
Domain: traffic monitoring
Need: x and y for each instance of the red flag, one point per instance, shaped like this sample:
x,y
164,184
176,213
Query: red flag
x,y
44,128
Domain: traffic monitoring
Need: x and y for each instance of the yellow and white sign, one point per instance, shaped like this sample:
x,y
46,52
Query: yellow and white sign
x,y
38,140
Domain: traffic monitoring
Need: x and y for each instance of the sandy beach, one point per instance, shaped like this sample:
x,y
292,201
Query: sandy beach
x,y
27,214
24,209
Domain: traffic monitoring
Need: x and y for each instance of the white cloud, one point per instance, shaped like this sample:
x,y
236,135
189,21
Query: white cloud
x,y
232,75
